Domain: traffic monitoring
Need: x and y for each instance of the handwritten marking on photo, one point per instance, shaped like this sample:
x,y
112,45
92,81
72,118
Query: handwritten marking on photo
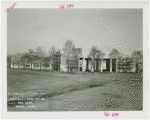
x,y
67,6
8,9
113,114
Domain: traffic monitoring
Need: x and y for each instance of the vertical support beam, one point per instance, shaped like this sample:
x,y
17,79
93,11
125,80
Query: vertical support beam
x,y
116,65
92,70
83,61
78,64
81,65
94,67
110,65
84,64
87,65
90,65
97,66
101,68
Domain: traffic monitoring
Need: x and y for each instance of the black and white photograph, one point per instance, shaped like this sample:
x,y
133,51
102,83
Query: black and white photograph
x,y
74,59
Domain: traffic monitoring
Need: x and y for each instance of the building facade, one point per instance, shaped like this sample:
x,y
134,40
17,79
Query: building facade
x,y
76,62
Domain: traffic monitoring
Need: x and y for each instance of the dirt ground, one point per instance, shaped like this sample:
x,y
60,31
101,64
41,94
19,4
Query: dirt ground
x,y
54,91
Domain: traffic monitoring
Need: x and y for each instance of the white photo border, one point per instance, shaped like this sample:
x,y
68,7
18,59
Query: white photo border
x,y
84,114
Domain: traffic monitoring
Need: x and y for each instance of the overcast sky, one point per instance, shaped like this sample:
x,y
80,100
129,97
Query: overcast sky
x,y
104,28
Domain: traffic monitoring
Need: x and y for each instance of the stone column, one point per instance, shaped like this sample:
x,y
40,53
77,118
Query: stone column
x,y
101,61
97,65
83,64
92,70
110,65
86,64
79,61
116,65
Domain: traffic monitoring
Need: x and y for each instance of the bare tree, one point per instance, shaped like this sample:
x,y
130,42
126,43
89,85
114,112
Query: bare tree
x,y
30,57
126,64
46,62
137,58
114,54
67,50
52,51
9,61
23,59
95,53
76,53
18,59
13,60
39,55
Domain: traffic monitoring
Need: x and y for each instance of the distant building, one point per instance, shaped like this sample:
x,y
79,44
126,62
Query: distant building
x,y
77,62
8,62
